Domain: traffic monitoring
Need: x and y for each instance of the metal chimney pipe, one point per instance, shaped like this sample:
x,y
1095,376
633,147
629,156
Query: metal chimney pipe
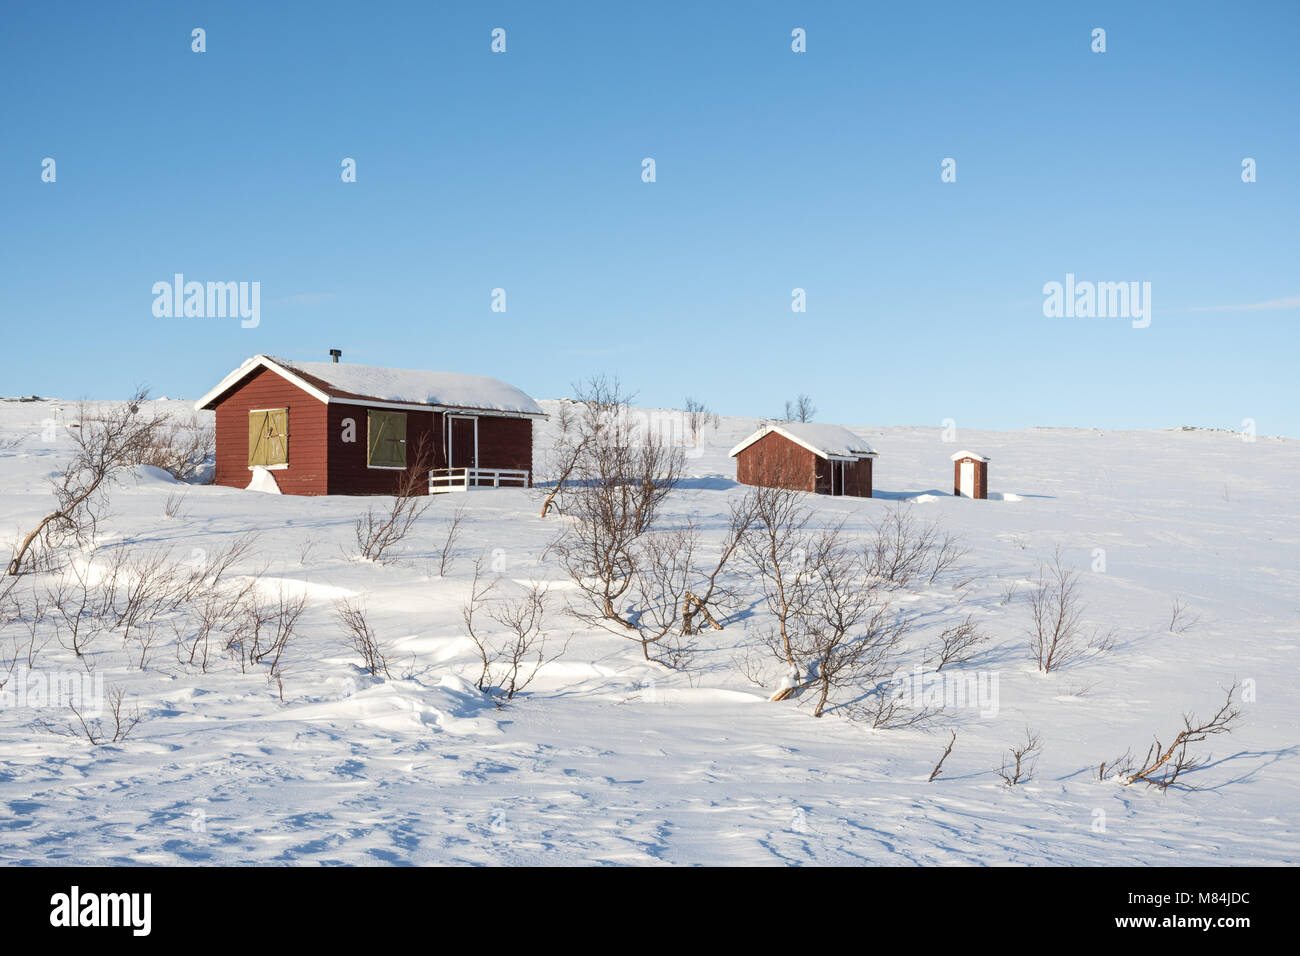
x,y
336,353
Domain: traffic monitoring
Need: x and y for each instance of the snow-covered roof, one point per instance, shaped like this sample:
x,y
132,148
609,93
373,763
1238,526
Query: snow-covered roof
x,y
969,454
372,384
825,441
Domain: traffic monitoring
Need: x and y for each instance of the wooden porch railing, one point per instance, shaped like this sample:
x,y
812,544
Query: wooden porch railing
x,y
463,479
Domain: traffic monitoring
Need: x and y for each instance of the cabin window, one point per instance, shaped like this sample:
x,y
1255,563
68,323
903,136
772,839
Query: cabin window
x,y
386,442
268,437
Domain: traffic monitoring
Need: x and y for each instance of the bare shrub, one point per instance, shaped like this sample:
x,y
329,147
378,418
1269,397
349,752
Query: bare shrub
x,y
847,631
28,618
776,548
212,615
510,662
71,601
753,667
96,730
361,638
710,593
446,556
208,571
175,505
179,448
901,549
106,443
145,638
947,551
381,528
619,482
938,768
569,446
263,631
1163,765
698,417
1181,619
1055,633
660,585
958,644
1021,760
881,710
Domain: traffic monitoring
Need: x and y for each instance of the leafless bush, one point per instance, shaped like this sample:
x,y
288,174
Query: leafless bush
x,y
938,768
174,508
1021,760
263,631
947,551
799,410
1181,619
72,602
95,730
511,661
1055,634
144,641
710,593
881,710
569,446
361,638
776,549
447,555
660,586
901,549
27,618
619,481
208,572
959,643
1163,765
179,448
753,667
382,527
212,614
698,417
106,443
846,630
150,586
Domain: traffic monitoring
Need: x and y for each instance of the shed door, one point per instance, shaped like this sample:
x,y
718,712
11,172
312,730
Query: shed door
x,y
462,442
968,478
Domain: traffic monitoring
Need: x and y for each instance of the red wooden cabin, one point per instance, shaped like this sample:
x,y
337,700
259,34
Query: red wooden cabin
x,y
331,428
825,459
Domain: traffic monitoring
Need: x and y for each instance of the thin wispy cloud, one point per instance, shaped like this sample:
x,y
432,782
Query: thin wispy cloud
x,y
308,298
1292,303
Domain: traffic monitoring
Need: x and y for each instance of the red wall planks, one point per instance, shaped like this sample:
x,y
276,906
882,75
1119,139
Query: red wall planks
x,y
307,469
776,462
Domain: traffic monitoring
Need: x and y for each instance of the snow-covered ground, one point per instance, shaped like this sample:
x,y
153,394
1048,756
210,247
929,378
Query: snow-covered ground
x,y
608,759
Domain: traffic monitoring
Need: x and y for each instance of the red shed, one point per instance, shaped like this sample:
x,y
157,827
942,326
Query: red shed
x,y
330,428
970,475
825,459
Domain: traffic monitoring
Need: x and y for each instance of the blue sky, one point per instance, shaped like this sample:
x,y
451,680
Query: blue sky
x,y
775,170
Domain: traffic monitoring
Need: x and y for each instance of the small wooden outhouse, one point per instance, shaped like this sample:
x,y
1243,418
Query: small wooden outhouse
x,y
970,475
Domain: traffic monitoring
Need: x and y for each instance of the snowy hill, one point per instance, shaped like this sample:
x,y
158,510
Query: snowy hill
x,y
610,759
